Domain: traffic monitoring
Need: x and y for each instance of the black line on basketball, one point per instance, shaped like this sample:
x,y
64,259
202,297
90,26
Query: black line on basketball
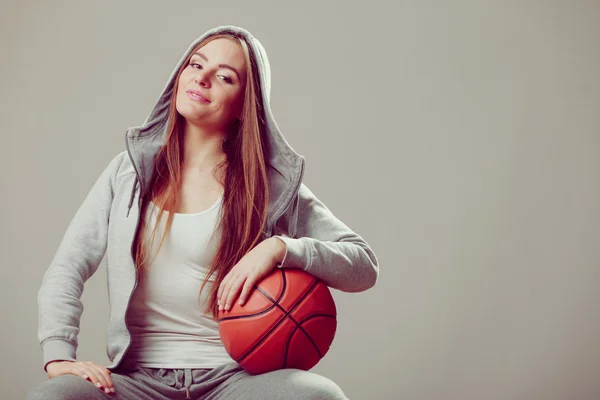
x,y
286,314
284,281
299,326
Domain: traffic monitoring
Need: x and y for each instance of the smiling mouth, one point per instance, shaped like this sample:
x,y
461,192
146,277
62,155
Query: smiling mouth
x,y
197,97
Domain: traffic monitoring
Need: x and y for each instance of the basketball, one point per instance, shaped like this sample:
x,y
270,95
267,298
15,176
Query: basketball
x,y
288,321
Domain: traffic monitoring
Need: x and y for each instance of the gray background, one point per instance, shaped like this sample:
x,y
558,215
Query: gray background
x,y
460,139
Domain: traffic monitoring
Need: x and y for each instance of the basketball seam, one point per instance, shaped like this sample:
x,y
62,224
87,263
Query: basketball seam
x,y
286,313
265,310
284,286
299,326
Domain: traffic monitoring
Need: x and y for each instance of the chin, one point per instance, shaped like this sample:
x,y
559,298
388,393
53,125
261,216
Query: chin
x,y
187,111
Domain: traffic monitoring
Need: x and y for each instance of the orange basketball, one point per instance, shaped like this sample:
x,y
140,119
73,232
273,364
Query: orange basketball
x,y
288,321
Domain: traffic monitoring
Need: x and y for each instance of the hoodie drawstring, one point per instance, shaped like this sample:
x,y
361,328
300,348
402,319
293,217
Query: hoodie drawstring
x,y
187,382
135,183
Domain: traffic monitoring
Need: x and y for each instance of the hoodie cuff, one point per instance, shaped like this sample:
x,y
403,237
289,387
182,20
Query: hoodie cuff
x,y
297,254
58,349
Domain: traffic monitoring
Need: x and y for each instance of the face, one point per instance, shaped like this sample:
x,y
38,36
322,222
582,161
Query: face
x,y
217,72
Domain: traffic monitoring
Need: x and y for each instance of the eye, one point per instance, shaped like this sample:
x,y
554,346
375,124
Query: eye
x,y
198,66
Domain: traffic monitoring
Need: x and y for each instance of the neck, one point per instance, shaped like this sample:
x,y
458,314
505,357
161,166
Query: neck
x,y
202,148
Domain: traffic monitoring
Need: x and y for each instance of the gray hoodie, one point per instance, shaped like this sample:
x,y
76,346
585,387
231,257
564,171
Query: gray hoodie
x,y
104,226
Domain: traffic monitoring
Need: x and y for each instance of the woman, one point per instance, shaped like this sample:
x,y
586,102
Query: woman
x,y
207,200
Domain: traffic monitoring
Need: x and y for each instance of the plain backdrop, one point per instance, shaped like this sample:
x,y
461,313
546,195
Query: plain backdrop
x,y
461,139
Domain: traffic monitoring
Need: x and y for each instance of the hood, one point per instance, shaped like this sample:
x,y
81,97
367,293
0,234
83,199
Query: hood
x,y
285,166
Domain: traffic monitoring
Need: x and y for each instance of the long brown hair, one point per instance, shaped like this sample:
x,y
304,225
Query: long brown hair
x,y
245,199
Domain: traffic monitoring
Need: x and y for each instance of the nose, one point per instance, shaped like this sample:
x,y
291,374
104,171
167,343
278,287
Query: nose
x,y
202,79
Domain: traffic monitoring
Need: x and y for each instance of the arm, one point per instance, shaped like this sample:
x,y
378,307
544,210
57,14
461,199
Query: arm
x,y
326,248
76,260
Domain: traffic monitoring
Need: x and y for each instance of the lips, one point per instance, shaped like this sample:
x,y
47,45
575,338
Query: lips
x,y
196,95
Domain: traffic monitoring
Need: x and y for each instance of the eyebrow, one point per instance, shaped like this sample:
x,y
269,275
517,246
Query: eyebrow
x,y
220,65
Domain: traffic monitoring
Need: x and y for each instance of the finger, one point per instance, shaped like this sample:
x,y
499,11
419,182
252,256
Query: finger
x,y
222,288
99,374
91,374
226,287
233,292
79,372
246,289
104,377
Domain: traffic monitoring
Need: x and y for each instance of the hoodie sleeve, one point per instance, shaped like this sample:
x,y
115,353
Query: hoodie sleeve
x,y
328,249
76,260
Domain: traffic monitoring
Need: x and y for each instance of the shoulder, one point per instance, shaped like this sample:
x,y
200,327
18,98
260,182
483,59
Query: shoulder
x,y
308,199
305,209
120,166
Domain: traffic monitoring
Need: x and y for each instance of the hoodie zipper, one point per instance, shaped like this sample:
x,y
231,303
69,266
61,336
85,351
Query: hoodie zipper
x,y
135,283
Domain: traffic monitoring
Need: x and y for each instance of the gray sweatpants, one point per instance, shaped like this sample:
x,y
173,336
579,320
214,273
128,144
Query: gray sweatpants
x,y
228,381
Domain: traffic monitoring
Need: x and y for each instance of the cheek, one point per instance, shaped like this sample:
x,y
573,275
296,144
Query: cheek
x,y
184,78
236,101
179,91
179,100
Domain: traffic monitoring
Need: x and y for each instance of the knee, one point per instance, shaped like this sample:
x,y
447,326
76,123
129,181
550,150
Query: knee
x,y
64,387
309,385
326,389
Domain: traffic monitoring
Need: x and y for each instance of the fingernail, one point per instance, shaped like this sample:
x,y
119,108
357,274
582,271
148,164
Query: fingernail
x,y
220,307
107,390
227,306
99,384
240,302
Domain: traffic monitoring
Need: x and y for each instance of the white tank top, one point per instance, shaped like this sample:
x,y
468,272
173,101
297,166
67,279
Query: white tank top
x,y
169,328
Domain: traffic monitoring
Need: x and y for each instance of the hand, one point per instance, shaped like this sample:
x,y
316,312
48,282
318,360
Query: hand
x,y
95,373
257,263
